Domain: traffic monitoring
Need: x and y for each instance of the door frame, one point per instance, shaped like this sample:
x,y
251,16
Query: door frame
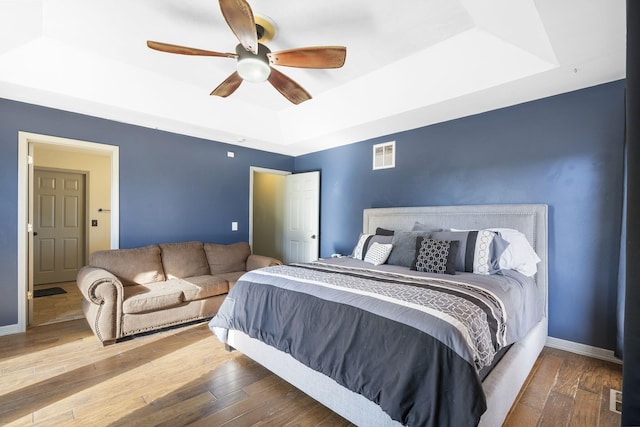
x,y
252,170
25,234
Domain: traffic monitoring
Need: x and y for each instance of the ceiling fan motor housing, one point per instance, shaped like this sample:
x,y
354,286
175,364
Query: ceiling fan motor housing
x,y
265,28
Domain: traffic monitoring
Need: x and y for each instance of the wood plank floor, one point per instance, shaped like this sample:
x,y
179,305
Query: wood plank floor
x,y
57,308
566,389
59,374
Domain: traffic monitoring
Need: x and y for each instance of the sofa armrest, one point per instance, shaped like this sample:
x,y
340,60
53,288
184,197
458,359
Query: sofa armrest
x,y
103,294
98,285
259,261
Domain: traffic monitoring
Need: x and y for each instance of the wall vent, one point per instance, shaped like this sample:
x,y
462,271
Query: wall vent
x,y
384,155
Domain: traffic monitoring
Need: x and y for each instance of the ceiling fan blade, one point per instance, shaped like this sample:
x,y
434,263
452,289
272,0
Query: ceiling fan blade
x,y
310,57
239,17
288,88
228,86
183,50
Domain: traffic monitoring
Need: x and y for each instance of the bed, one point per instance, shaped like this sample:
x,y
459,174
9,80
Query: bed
x,y
488,388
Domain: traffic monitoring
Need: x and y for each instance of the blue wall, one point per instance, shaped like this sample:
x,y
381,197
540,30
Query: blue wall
x,y
565,151
172,187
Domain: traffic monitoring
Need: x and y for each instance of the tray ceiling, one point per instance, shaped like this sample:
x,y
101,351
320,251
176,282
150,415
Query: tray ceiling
x,y
409,64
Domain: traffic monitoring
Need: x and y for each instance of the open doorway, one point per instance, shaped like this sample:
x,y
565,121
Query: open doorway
x,y
284,214
266,212
59,242
47,291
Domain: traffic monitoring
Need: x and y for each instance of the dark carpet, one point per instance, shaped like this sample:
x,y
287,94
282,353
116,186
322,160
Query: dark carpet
x,y
48,291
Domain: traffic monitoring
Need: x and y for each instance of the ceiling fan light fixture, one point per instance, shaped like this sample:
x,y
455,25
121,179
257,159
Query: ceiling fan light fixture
x,y
253,68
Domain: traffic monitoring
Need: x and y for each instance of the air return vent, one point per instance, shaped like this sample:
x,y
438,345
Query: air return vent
x,y
384,155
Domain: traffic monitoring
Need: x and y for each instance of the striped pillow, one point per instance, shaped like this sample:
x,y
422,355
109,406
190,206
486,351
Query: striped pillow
x,y
364,243
478,251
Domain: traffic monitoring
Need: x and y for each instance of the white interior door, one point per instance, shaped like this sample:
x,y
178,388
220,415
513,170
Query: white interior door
x,y
59,226
302,217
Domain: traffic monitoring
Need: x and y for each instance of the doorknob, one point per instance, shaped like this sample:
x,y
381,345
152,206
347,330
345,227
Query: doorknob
x,y
313,236
35,233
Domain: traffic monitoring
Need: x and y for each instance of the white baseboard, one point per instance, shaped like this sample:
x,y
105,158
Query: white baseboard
x,y
10,329
583,349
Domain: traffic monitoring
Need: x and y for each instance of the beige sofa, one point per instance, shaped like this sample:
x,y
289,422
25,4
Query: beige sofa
x,y
131,291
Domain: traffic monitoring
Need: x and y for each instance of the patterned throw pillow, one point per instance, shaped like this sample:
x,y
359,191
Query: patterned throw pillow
x,y
378,253
435,256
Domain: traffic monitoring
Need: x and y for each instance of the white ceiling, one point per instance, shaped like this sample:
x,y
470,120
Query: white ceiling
x,y
410,63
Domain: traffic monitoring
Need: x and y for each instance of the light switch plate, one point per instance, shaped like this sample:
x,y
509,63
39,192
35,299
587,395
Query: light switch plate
x,y
234,226
615,401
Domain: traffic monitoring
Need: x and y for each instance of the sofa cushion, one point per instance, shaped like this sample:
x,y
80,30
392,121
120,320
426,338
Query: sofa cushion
x,y
137,266
185,259
200,287
231,278
153,297
227,258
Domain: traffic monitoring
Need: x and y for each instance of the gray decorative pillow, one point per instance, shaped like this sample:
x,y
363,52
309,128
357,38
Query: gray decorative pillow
x,y
404,247
384,232
435,256
478,251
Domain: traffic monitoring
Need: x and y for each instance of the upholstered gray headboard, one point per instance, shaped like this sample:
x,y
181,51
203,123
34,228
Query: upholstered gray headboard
x,y
530,219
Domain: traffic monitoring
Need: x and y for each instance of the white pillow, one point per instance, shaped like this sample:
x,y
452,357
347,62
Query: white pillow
x,y
519,255
378,253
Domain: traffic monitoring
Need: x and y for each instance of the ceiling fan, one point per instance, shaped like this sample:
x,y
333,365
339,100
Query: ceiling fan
x,y
254,59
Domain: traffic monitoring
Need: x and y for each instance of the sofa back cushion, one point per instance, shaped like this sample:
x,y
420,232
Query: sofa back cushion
x,y
227,258
185,259
137,266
